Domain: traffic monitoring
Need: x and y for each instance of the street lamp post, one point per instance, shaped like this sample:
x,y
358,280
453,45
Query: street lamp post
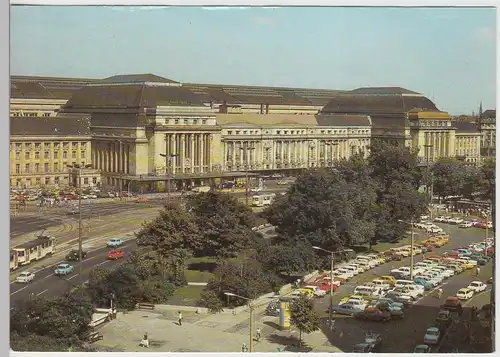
x,y
80,242
168,161
245,153
412,244
330,314
250,307
430,183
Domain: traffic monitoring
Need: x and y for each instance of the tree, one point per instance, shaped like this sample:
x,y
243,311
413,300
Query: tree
x,y
487,184
289,258
247,279
398,178
317,208
224,222
303,315
452,177
52,324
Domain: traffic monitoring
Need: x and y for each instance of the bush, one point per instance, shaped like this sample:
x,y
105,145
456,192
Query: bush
x,y
211,301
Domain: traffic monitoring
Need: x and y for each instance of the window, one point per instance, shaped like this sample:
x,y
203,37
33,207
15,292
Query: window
x,y
204,121
28,182
37,181
27,146
65,145
18,168
85,180
46,167
57,145
46,114
74,145
83,145
18,155
195,121
37,155
27,155
37,167
82,164
19,146
56,180
229,132
56,154
47,180
37,146
73,154
27,168
185,121
176,121
65,154
94,180
82,154
46,155
56,166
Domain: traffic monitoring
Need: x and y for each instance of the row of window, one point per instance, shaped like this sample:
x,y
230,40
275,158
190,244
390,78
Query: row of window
x,y
298,132
36,168
47,181
30,114
47,156
49,145
186,121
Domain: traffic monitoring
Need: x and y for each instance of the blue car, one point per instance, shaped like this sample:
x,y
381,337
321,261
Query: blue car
x,y
348,308
426,284
114,242
63,269
391,302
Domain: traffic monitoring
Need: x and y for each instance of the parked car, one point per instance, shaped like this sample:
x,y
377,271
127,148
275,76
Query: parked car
x,y
63,269
422,349
443,318
25,277
75,255
350,308
372,344
273,308
425,283
385,306
465,224
315,290
453,304
114,242
432,336
374,314
439,219
391,302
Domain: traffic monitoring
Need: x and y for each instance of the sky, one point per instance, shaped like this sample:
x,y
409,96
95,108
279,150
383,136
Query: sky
x,y
447,54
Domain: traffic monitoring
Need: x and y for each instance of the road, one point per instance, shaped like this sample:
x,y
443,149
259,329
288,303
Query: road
x,y
403,336
35,219
48,285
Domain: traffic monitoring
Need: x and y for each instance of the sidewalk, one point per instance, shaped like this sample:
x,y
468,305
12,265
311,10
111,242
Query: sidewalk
x,y
201,333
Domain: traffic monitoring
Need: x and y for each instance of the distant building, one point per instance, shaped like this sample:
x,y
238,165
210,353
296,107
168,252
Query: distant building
x,y
42,148
487,127
468,141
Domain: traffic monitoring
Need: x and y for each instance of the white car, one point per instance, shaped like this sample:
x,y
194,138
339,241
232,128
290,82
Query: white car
x,y
447,219
25,277
465,294
456,220
477,286
432,336
439,219
347,272
446,273
92,196
424,217
465,224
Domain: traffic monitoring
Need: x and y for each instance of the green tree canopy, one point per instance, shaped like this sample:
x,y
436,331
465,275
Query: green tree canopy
x,y
303,315
224,222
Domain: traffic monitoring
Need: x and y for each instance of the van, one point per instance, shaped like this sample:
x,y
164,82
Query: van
x,y
403,283
353,269
366,290
384,285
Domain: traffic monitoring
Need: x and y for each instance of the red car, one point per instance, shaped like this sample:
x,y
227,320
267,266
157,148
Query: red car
x,y
116,254
323,285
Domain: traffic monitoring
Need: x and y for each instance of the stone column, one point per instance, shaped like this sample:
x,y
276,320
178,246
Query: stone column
x,y
193,156
202,153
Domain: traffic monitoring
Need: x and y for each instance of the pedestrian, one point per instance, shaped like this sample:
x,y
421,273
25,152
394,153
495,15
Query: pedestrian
x,y
179,318
145,341
332,325
440,293
258,334
244,348
478,270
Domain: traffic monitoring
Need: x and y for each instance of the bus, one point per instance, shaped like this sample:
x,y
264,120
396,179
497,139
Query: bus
x,y
263,200
34,250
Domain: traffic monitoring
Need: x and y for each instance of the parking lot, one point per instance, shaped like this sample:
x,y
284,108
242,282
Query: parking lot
x,y
403,335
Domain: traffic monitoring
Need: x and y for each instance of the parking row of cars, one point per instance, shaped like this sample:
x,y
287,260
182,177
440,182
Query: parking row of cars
x,y
464,223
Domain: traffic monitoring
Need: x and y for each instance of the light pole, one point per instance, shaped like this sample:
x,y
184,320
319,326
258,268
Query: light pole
x,y
168,161
80,242
330,313
245,153
250,307
118,166
412,243
430,183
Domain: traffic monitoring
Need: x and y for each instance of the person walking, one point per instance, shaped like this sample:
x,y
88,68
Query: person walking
x,y
179,318
440,293
145,341
478,270
244,348
258,334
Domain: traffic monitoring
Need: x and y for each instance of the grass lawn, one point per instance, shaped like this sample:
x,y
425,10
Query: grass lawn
x,y
196,276
201,260
186,296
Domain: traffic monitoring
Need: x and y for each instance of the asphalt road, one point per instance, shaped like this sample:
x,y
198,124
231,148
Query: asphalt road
x,y
402,336
47,284
35,219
